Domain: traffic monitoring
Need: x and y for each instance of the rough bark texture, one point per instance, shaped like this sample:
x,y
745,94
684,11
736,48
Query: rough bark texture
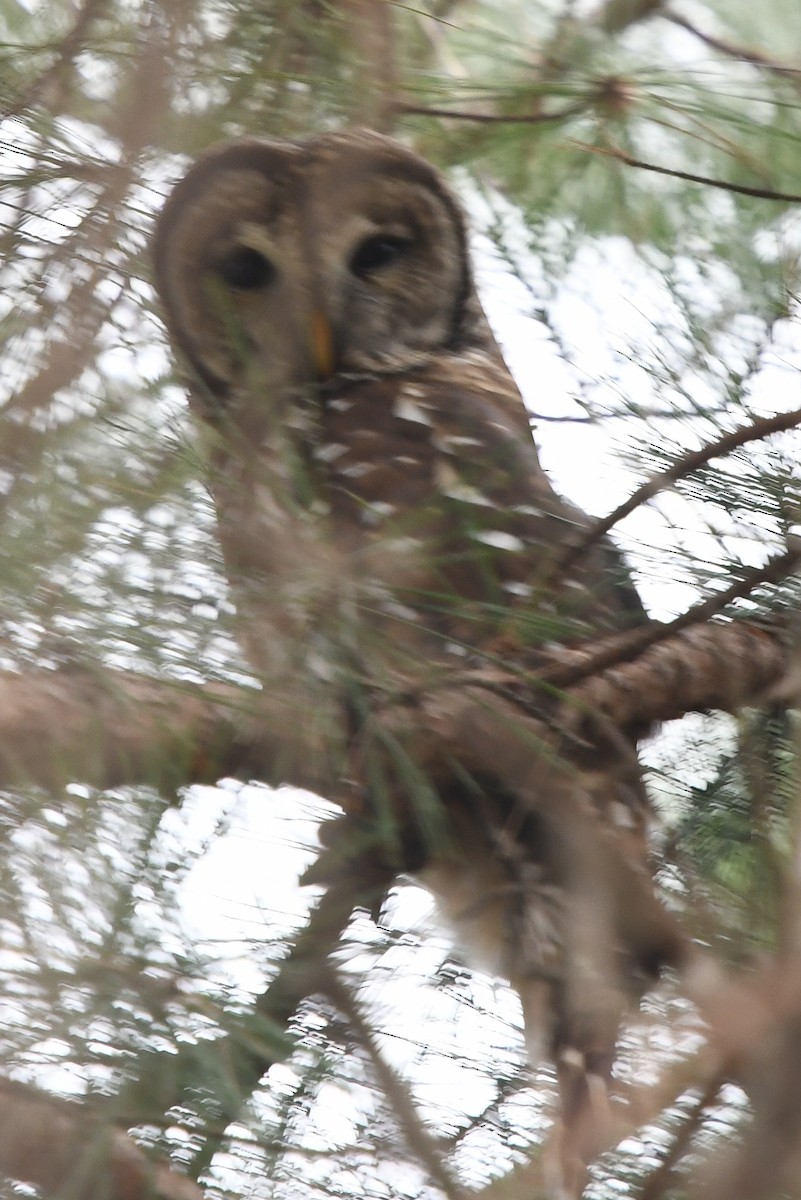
x,y
109,729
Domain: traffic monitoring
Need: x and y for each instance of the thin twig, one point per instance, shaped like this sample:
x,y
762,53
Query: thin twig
x,y
740,188
740,53
658,1183
686,465
69,48
450,114
396,1091
303,973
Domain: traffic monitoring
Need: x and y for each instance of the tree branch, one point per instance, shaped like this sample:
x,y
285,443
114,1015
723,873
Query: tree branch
x,y
109,729
617,15
740,189
371,35
63,1150
686,465
356,878
544,118
722,666
740,53
69,48
417,1137
572,667
660,1180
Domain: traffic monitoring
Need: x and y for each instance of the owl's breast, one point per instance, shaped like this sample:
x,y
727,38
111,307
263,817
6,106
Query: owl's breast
x,y
437,496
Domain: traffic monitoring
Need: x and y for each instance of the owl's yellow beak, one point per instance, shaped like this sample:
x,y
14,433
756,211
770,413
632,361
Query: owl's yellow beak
x,y
322,346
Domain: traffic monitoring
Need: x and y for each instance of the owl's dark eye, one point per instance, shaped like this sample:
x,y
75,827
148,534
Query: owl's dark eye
x,y
378,252
245,269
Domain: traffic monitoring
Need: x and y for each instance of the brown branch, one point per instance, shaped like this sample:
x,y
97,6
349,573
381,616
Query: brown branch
x,y
740,53
617,15
450,114
572,666
660,1180
720,666
740,189
396,1091
756,1021
686,465
523,1182
109,729
25,434
60,1148
370,34
356,878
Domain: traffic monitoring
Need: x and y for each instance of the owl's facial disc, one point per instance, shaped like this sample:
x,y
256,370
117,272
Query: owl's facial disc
x,y
285,263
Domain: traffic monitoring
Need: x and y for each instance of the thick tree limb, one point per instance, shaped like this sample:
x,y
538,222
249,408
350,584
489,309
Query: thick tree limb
x,y
109,729
721,667
62,1150
625,648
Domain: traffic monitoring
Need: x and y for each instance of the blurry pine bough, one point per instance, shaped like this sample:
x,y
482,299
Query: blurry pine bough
x,y
587,141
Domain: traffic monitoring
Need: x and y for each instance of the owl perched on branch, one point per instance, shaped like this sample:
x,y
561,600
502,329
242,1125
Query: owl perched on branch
x,y
394,551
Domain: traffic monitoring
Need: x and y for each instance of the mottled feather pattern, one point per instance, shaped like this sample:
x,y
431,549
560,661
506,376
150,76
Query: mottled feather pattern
x,y
386,525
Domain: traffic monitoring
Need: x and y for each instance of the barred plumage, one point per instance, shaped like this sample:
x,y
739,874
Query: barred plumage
x,y
386,525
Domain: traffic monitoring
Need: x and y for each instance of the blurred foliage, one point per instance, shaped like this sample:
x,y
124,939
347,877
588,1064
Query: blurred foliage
x,y
667,311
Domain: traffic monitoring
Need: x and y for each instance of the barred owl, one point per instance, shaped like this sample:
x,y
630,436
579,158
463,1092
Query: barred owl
x,y
386,527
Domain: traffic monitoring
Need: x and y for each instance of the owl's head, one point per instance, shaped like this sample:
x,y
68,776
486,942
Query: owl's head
x,y
295,261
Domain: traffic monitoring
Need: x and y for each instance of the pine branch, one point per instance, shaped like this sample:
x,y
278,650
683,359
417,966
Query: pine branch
x,y
417,1137
572,666
659,1181
739,189
356,880
370,33
69,48
740,53
720,666
452,114
690,462
617,15
110,728
755,1025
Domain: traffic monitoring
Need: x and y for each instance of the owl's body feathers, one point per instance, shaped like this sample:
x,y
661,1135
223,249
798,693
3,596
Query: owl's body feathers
x,y
385,522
